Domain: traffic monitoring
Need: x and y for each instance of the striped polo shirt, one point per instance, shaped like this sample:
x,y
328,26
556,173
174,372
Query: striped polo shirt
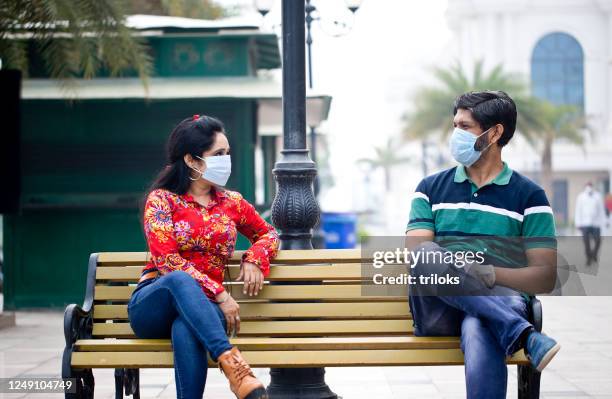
x,y
503,217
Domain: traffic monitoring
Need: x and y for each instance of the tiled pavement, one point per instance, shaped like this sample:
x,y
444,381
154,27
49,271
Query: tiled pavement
x,y
583,368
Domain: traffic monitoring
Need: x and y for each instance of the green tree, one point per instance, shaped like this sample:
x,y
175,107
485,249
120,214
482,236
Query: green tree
x,y
558,122
433,106
540,122
72,37
386,159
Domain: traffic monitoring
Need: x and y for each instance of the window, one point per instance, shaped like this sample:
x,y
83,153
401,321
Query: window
x,y
557,70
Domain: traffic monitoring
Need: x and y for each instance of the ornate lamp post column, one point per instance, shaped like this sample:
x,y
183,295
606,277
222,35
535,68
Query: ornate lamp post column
x,y
294,209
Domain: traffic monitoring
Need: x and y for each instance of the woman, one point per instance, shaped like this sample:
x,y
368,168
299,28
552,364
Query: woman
x,y
191,225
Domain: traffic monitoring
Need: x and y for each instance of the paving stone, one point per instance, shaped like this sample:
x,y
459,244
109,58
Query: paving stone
x,y
583,368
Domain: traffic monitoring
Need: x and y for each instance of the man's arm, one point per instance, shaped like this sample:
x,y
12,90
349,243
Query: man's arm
x,y
538,232
421,223
539,277
417,236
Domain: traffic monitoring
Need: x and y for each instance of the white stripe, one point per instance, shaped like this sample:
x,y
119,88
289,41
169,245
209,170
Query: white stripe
x,y
538,209
420,195
479,207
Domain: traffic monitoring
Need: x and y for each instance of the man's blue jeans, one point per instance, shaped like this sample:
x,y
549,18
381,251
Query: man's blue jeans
x,y
489,326
174,306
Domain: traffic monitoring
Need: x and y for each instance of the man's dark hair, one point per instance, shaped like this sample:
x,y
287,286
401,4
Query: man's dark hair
x,y
488,109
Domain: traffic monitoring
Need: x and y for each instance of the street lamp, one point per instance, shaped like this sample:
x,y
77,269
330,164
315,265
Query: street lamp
x,y
295,210
263,6
353,5
312,15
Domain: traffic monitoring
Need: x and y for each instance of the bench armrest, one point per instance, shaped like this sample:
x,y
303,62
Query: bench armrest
x,y
535,313
78,320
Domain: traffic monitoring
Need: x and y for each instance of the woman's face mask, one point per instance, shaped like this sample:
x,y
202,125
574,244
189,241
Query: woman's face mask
x,y
218,169
463,146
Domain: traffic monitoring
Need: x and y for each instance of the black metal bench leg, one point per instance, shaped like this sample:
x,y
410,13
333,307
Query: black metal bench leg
x,y
127,381
84,384
132,383
528,377
528,382
119,373
88,384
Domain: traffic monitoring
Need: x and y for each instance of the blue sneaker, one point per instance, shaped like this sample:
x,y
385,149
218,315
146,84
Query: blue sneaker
x,y
540,350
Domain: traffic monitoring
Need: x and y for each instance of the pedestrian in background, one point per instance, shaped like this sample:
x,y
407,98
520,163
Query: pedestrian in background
x,y
590,218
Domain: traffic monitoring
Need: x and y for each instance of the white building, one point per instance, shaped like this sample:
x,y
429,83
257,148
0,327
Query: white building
x,y
563,48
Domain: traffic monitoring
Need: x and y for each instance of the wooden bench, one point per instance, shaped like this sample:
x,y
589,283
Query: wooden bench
x,y
325,323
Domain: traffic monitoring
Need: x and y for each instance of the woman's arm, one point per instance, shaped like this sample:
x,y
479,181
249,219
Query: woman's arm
x,y
261,234
264,239
159,232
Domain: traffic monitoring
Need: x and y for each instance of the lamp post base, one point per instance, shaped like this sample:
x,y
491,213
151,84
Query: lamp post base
x,y
299,383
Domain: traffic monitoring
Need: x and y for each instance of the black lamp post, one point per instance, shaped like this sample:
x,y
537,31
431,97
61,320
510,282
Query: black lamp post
x,y
294,209
264,6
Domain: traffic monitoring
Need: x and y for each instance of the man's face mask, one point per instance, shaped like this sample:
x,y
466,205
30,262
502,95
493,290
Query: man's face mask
x,y
218,169
463,146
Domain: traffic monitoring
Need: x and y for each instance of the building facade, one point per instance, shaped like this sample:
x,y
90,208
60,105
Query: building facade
x,y
563,50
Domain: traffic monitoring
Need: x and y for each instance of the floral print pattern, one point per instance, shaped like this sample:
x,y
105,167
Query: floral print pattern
x,y
184,235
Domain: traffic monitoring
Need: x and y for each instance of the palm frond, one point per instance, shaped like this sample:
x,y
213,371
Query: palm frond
x,y
73,37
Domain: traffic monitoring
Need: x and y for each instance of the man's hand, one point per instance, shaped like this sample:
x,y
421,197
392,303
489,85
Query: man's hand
x,y
485,273
253,278
230,309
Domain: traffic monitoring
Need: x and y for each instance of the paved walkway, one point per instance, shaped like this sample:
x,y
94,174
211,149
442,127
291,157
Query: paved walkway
x,y
583,368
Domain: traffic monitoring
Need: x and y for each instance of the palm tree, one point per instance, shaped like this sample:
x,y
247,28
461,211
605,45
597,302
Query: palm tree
x,y
433,106
563,122
386,158
73,38
540,122
84,37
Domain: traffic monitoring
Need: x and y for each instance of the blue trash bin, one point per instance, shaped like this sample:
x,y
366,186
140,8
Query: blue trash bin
x,y
340,229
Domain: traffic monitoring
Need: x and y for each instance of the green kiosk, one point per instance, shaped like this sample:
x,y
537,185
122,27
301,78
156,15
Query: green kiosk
x,y
90,149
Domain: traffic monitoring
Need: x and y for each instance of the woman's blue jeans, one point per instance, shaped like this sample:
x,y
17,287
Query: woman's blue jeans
x,y
174,306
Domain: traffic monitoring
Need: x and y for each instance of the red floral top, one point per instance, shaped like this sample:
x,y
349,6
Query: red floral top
x,y
184,235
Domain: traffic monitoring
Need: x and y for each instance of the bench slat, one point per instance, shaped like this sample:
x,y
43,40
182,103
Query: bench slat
x,y
332,272
286,256
254,311
290,359
275,344
288,328
286,292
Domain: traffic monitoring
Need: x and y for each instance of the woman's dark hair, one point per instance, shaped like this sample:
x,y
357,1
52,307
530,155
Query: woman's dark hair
x,y
193,136
488,109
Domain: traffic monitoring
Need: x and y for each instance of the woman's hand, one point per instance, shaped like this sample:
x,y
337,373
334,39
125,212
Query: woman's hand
x,y
230,309
253,278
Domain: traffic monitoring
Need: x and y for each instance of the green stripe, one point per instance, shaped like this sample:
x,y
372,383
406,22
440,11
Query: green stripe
x,y
539,225
420,209
475,221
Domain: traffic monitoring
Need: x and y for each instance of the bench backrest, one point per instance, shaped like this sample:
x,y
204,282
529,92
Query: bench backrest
x,y
313,293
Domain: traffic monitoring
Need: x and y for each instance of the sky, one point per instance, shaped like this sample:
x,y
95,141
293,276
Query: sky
x,y
370,72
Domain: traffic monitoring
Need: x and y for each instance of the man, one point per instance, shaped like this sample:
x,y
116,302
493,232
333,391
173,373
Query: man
x,y
589,218
483,198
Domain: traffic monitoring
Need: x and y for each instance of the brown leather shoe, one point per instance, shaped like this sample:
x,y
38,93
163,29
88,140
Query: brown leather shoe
x,y
243,382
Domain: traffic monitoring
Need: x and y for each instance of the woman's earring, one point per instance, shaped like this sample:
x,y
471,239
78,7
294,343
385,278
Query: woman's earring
x,y
191,178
